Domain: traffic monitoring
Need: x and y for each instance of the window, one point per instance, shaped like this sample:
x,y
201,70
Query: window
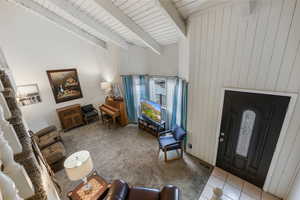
x,y
159,91
162,90
246,131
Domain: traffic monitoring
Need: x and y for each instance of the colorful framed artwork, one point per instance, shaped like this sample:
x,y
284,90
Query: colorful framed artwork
x,y
65,84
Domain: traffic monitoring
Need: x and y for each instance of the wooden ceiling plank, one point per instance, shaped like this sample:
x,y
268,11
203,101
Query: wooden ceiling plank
x,y
134,10
145,13
170,11
106,33
131,25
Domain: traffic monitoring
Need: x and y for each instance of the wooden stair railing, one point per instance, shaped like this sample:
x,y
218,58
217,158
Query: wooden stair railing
x,y
20,143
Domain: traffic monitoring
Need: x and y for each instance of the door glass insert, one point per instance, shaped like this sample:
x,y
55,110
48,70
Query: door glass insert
x,y
245,133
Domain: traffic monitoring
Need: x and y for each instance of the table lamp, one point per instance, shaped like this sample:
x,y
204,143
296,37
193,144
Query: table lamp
x,y
78,166
106,86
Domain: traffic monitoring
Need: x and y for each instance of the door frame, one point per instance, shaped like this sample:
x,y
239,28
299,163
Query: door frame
x,y
282,135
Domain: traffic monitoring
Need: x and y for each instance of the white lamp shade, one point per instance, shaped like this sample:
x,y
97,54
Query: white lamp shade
x,y
105,85
78,165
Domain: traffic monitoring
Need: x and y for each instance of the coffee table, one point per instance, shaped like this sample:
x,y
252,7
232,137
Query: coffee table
x,y
98,191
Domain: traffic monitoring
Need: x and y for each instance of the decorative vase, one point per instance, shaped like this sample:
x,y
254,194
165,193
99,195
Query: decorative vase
x,y
217,194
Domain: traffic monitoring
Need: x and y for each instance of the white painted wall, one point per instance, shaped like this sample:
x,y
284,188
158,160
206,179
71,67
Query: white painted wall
x,y
33,45
164,64
295,190
134,60
139,60
260,51
183,59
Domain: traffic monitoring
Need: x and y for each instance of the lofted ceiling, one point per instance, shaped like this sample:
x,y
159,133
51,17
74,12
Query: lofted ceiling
x,y
187,7
146,23
149,17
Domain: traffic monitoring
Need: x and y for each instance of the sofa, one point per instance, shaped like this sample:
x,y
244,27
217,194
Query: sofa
x,y
51,146
120,190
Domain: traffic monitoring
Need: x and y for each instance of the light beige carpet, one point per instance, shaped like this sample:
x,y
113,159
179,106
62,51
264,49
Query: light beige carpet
x,y
132,155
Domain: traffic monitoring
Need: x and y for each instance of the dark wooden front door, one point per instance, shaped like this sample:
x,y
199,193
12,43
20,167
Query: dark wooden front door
x,y
250,127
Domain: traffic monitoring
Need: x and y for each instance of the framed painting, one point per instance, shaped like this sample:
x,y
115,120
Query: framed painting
x,y
65,84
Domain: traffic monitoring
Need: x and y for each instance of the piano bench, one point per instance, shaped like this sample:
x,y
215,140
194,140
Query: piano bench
x,y
107,120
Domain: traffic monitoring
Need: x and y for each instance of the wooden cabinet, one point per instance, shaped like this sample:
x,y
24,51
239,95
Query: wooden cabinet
x,y
70,116
150,126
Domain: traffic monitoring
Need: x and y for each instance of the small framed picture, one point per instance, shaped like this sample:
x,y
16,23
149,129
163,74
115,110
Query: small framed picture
x,y
28,94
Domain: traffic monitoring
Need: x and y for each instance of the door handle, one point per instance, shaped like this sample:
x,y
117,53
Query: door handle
x,y
222,134
221,140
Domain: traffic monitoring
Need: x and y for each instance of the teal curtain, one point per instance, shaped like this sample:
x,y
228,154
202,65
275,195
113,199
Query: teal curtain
x,y
138,87
129,97
184,104
170,107
144,87
175,102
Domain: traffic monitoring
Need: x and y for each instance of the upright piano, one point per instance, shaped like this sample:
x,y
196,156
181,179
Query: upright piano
x,y
115,108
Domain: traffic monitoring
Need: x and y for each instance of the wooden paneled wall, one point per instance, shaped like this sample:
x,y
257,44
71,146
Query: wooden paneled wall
x,y
260,51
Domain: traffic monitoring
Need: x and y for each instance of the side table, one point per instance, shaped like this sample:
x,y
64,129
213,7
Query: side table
x,y
98,191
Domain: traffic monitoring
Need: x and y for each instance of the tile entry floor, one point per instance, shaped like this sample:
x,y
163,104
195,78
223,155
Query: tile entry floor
x,y
233,188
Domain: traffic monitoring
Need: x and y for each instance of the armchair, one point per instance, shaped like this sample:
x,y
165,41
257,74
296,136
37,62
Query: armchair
x,y
171,140
89,113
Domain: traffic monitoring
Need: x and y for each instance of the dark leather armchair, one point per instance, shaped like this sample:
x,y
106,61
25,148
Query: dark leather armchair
x,y
89,113
121,191
172,140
